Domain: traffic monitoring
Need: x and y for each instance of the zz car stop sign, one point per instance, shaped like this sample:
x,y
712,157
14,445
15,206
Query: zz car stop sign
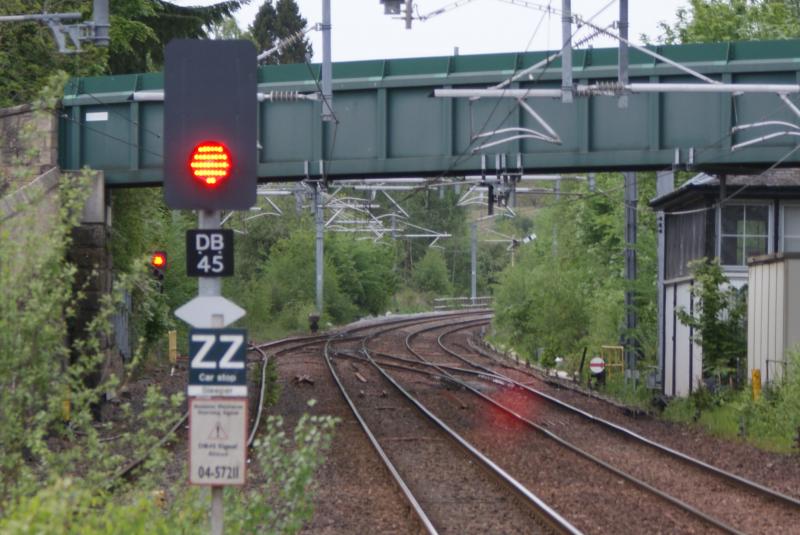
x,y
217,365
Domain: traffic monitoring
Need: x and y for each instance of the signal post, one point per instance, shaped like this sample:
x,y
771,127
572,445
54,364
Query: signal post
x,y
210,139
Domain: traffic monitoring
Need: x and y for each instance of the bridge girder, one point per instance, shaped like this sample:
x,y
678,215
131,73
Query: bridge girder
x,y
390,125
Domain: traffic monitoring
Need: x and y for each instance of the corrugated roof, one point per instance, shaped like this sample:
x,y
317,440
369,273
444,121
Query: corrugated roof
x,y
776,178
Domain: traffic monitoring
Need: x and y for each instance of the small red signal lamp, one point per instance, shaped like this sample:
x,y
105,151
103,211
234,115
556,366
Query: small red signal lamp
x,y
211,163
159,260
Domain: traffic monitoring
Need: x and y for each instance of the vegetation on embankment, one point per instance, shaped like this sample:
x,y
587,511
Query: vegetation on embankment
x,y
566,290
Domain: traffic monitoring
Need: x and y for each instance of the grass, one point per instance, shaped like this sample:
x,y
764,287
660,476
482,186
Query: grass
x,y
770,423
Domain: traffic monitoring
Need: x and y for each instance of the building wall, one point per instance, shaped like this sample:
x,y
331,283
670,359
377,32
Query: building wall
x,y
683,358
773,313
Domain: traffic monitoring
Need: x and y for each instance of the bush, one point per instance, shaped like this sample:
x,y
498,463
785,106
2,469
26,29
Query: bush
x,y
358,280
281,503
430,274
771,423
719,321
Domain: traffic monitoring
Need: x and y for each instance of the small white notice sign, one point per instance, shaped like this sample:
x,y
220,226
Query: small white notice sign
x,y
96,116
217,441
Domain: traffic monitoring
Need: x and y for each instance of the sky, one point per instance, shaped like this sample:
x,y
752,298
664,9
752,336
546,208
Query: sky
x,y
361,31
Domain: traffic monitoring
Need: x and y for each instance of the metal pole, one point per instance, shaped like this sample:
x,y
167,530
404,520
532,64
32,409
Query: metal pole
x,y
212,286
557,187
630,275
101,22
319,256
623,50
665,183
327,90
474,266
566,51
409,7
298,199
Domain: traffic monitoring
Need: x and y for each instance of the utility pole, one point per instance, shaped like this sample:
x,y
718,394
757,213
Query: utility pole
x,y
566,51
320,241
327,117
474,263
622,74
327,82
630,276
557,188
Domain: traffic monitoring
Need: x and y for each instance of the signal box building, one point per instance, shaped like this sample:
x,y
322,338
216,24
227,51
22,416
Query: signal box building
x,y
752,224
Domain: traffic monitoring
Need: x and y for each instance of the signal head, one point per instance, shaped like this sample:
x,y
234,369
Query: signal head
x,y
159,260
211,163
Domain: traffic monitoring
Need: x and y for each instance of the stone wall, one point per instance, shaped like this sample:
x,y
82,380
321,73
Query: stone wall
x,y
28,145
90,253
34,207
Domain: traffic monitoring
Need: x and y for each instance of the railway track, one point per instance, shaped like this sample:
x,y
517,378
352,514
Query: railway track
x,y
433,385
726,502
434,474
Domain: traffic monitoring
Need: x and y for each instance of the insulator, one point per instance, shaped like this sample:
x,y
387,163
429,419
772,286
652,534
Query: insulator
x,y
608,89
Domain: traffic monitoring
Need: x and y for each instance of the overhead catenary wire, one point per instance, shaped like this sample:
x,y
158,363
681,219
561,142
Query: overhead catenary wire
x,y
468,149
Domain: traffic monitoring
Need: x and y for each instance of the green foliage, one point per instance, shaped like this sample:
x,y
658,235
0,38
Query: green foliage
x,y
566,290
141,224
430,274
155,23
284,500
279,292
38,372
710,21
280,503
771,423
278,22
438,212
719,321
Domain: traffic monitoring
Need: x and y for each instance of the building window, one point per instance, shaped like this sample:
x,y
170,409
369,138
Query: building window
x,y
744,232
790,224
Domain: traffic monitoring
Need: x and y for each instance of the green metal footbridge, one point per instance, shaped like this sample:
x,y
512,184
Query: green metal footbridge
x,y
404,117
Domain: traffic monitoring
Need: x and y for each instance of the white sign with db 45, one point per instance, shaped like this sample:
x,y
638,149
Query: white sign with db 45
x,y
209,253
217,363
217,441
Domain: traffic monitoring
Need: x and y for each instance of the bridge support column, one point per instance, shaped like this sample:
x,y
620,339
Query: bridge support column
x,y
91,254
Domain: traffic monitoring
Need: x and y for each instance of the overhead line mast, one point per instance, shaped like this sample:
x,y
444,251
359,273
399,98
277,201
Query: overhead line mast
x,y
95,31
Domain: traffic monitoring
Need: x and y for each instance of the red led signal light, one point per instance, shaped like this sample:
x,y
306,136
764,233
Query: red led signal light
x,y
211,163
159,260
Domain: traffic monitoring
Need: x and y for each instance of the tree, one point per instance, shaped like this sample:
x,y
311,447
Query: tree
x,y
430,273
569,296
228,28
277,23
140,29
706,21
